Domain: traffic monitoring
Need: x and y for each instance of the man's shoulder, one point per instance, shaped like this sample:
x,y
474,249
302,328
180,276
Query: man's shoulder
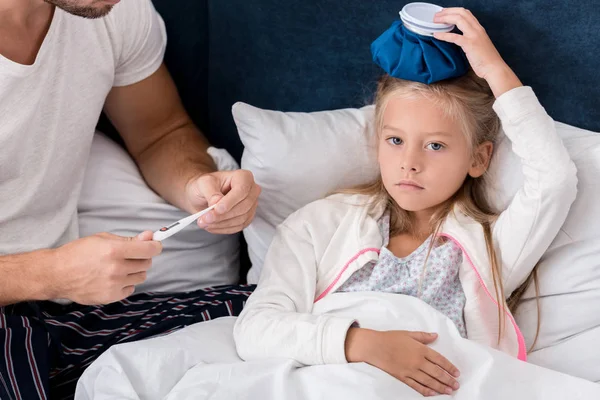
x,y
130,11
127,23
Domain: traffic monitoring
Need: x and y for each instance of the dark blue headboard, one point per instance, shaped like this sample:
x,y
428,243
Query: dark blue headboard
x,y
301,55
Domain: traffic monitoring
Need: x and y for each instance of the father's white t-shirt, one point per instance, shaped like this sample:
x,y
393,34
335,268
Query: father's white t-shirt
x,y
48,114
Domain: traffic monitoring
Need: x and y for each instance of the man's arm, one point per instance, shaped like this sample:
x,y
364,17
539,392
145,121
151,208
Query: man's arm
x,y
171,154
26,277
166,145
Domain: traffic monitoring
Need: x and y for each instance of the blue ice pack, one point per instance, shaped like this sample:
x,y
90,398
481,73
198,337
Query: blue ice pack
x,y
407,55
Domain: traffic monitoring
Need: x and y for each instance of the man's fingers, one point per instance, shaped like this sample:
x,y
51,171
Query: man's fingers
x,y
139,250
242,187
135,279
127,291
137,266
241,210
231,226
234,192
234,227
227,224
225,231
144,236
240,201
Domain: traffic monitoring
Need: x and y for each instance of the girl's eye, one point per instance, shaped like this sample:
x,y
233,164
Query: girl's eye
x,y
435,146
396,141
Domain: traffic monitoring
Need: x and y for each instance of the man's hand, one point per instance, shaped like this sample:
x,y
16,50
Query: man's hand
x,y
102,268
236,194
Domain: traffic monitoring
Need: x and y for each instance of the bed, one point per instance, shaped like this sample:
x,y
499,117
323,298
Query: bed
x,y
309,56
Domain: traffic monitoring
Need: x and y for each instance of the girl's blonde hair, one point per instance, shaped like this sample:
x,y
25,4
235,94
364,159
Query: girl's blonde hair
x,y
469,101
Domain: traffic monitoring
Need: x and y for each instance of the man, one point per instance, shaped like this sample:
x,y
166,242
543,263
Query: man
x,y
57,72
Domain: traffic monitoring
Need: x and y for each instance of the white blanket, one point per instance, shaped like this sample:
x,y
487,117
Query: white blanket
x,y
200,362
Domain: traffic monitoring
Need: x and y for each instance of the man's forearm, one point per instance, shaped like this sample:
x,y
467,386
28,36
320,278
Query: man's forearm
x,y
171,162
25,277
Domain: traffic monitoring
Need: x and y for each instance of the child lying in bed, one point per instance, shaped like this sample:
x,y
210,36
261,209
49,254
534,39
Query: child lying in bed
x,y
423,229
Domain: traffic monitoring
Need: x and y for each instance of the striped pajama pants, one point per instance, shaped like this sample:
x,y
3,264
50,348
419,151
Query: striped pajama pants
x,y
45,347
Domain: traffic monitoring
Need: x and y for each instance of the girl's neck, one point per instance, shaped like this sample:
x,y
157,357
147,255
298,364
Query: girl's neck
x,y
421,223
418,224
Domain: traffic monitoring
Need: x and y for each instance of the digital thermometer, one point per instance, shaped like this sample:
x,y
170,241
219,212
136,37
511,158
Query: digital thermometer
x,y
168,231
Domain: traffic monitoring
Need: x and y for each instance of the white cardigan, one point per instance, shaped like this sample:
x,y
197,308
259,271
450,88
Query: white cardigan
x,y
320,246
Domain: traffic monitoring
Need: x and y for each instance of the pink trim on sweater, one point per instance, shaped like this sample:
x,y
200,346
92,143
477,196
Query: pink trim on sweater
x,y
337,278
522,347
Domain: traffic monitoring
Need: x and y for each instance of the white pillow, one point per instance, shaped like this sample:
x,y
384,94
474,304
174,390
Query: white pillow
x,y
570,275
301,157
297,158
116,199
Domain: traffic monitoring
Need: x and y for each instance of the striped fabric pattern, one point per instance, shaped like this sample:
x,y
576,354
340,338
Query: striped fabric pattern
x,y
45,347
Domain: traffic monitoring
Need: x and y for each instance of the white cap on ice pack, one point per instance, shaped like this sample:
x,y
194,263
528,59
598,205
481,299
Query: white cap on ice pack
x,y
418,17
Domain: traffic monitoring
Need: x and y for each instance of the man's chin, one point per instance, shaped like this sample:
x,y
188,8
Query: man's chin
x,y
90,12
93,12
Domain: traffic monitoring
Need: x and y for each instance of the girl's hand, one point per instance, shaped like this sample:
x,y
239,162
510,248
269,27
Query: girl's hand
x,y
481,53
406,356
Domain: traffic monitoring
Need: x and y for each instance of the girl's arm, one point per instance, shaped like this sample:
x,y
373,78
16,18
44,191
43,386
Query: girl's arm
x,y
526,229
277,319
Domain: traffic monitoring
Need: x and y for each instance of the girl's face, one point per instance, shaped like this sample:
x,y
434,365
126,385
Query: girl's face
x,y
424,156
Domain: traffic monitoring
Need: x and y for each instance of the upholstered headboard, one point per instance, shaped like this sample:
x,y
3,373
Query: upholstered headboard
x,y
305,55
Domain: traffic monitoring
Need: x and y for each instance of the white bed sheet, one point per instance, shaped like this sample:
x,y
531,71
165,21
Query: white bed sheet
x,y
200,362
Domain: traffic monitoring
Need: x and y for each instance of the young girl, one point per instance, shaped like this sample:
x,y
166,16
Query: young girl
x,y
423,229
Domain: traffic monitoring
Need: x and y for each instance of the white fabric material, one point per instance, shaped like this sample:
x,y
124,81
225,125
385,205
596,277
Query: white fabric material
x,y
116,199
200,362
569,270
49,111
